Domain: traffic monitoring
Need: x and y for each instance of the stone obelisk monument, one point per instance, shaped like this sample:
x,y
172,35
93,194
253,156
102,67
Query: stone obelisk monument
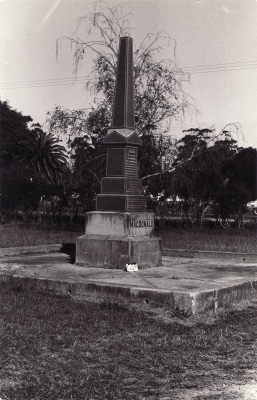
x,y
120,231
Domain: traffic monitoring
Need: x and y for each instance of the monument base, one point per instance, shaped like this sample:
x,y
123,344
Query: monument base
x,y
115,252
114,239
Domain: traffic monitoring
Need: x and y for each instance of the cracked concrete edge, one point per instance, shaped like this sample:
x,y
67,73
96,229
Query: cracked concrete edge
x,y
183,302
224,297
78,289
218,255
44,248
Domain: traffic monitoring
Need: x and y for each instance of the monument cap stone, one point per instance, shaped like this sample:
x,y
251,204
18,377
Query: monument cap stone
x,y
122,137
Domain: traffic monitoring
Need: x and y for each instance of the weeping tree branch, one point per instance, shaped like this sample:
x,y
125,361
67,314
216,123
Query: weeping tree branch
x,y
159,93
227,131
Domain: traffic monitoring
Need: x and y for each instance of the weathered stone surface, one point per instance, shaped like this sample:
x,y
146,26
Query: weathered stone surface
x,y
117,251
122,136
123,115
121,203
122,162
192,285
121,190
121,185
119,224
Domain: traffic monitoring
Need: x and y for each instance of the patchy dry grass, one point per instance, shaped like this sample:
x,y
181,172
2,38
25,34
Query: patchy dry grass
x,y
237,240
242,240
56,348
32,234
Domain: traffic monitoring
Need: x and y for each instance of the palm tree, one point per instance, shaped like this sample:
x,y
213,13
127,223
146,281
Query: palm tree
x,y
41,153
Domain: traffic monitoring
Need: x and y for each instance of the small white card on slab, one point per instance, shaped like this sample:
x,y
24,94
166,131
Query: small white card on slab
x,y
132,267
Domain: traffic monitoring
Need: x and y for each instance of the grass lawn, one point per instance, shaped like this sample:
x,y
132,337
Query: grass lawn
x,y
31,234
242,240
231,239
57,348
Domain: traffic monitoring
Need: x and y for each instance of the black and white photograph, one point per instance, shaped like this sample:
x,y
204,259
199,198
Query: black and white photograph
x,y
128,200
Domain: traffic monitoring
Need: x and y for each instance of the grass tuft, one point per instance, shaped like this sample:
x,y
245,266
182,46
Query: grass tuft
x,y
114,305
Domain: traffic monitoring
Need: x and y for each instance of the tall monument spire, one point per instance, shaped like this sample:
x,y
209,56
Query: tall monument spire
x,y
120,231
123,118
121,190
123,110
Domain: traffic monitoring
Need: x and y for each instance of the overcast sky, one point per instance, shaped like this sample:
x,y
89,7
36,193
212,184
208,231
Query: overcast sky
x,y
216,43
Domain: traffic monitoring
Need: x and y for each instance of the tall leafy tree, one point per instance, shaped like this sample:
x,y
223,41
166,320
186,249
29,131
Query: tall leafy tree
x,y
241,182
191,158
242,170
197,175
31,162
41,154
159,93
13,129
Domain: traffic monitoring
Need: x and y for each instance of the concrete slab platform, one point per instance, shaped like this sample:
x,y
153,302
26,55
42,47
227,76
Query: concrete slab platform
x,y
191,285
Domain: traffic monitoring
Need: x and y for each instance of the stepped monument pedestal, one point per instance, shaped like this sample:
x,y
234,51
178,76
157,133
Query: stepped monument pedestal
x,y
120,231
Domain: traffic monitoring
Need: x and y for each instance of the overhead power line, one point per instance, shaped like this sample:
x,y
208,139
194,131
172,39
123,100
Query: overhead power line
x,y
198,69
43,83
235,64
220,70
48,80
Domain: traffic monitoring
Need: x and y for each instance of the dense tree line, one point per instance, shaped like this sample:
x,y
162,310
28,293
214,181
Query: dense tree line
x,y
200,169
214,173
